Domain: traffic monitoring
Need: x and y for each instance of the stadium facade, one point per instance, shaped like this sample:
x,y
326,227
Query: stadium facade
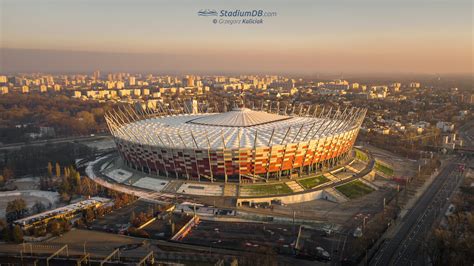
x,y
240,145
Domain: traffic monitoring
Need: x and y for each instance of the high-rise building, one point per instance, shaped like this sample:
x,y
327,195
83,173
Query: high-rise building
x,y
415,85
188,81
96,74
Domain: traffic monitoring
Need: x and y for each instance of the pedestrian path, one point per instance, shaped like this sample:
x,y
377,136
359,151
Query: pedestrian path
x,y
230,190
293,185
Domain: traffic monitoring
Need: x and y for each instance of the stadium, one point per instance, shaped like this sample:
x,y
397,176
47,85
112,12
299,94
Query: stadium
x,y
243,145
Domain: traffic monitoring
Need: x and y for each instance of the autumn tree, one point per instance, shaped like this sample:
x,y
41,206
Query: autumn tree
x,y
17,234
16,209
54,227
65,197
77,178
7,173
58,170
50,169
89,215
66,171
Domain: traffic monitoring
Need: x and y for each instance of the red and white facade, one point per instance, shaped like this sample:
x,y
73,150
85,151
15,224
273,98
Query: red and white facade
x,y
234,146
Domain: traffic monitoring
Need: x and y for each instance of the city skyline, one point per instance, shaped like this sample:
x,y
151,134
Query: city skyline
x,y
305,37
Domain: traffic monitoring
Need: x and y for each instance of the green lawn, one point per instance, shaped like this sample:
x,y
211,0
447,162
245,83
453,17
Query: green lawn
x,y
263,190
312,182
383,168
361,155
354,189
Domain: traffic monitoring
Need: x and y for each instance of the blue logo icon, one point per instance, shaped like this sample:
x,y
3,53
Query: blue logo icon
x,y
207,12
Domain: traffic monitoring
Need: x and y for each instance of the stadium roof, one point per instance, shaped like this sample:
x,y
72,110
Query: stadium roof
x,y
239,128
238,117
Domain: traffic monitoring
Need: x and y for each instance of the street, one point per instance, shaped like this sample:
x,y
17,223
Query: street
x,y
16,146
404,247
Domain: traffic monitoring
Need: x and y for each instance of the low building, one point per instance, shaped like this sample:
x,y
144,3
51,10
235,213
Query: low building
x,y
68,212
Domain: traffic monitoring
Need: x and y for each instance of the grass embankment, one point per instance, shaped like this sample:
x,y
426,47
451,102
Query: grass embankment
x,y
264,190
383,168
354,189
361,155
312,182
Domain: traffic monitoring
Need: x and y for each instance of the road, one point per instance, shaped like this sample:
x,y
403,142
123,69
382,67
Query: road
x,y
403,248
466,132
16,146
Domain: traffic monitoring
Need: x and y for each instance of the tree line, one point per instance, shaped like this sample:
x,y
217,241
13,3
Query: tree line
x,y
68,116
32,160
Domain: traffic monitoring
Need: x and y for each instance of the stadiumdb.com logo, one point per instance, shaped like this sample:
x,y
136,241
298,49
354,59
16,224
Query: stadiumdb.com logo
x,y
207,12
237,16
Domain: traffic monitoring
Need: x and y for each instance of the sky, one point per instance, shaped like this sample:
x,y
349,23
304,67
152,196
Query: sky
x,y
305,36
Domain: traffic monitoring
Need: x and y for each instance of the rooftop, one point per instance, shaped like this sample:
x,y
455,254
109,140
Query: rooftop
x,y
238,117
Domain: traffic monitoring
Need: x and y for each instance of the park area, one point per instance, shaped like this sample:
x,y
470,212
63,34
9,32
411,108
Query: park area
x,y
311,182
265,190
383,168
354,189
361,155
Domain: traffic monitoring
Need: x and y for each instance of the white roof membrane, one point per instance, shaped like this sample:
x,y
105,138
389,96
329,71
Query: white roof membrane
x,y
241,128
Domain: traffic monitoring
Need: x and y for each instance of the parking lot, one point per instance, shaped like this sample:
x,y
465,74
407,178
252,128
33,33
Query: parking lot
x,y
314,242
244,236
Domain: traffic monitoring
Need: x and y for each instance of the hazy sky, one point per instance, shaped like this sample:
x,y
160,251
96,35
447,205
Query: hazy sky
x,y
429,36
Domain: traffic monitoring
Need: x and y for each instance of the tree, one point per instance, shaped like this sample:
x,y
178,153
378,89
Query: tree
x,y
66,171
89,215
54,227
65,197
39,231
50,169
65,225
58,170
100,212
17,234
78,178
65,185
16,209
7,173
86,189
